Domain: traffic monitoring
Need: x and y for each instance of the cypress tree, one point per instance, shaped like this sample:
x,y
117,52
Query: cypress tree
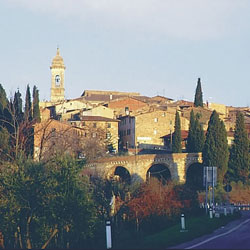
x,y
36,110
176,147
27,108
239,153
191,134
198,99
199,136
4,103
3,99
18,107
196,138
215,151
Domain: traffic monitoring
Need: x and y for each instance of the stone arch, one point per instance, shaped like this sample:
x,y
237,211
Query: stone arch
x,y
120,173
160,171
194,175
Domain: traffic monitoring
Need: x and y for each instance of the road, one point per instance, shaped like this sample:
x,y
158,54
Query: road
x,y
235,235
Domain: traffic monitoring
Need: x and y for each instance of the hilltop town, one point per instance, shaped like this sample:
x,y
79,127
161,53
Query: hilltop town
x,y
125,121
138,163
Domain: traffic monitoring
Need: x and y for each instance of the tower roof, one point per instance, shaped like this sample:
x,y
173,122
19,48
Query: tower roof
x,y
57,61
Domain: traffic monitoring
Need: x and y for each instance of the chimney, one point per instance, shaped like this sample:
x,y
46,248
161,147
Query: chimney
x,y
110,97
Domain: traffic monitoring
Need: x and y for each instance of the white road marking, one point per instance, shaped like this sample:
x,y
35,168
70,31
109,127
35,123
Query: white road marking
x,y
217,236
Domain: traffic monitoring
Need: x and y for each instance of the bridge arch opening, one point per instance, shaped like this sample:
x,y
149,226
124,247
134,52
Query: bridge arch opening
x,y
194,176
160,172
122,174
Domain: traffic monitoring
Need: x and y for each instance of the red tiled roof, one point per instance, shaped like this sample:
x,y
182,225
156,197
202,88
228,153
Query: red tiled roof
x,y
184,135
97,118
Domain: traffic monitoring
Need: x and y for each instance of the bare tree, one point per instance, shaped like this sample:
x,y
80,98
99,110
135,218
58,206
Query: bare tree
x,y
53,137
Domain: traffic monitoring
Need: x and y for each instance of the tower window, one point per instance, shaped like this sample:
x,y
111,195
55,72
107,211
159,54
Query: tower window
x,y
57,80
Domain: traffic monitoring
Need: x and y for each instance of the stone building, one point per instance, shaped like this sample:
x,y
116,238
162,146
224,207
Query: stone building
x,y
52,135
146,130
220,109
98,127
126,104
99,111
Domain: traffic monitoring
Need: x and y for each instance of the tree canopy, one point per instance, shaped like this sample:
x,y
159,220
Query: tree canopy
x,y
36,110
27,107
239,153
176,146
46,205
196,138
215,150
198,99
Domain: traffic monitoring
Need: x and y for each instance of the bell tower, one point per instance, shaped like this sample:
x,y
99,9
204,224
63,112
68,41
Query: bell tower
x,y
57,78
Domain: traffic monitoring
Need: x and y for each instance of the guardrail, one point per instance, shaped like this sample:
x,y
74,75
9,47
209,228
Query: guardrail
x,y
227,208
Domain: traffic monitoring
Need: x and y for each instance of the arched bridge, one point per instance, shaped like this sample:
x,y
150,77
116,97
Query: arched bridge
x,y
138,167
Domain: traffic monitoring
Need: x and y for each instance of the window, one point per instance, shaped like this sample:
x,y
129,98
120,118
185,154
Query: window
x,y
109,125
156,119
83,124
94,135
94,125
128,132
155,132
108,135
57,80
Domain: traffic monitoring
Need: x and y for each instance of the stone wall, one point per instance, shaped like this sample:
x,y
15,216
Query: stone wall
x,y
139,165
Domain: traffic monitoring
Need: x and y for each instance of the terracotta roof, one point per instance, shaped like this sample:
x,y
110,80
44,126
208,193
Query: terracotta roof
x,y
161,98
108,93
184,103
137,98
184,135
96,118
102,98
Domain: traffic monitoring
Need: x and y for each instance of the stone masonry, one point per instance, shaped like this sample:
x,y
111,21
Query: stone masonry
x,y
138,165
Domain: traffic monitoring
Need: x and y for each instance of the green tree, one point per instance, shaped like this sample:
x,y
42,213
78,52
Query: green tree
x,y
176,146
4,109
239,153
198,99
17,108
215,151
3,99
46,205
191,134
5,147
27,107
36,110
198,135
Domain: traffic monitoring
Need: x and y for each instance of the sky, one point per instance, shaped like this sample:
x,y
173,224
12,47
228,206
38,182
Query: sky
x,y
154,47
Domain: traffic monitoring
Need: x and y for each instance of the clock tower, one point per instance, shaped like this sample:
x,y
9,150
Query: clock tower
x,y
57,78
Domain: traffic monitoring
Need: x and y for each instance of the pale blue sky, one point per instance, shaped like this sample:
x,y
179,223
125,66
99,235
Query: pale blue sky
x,y
147,46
